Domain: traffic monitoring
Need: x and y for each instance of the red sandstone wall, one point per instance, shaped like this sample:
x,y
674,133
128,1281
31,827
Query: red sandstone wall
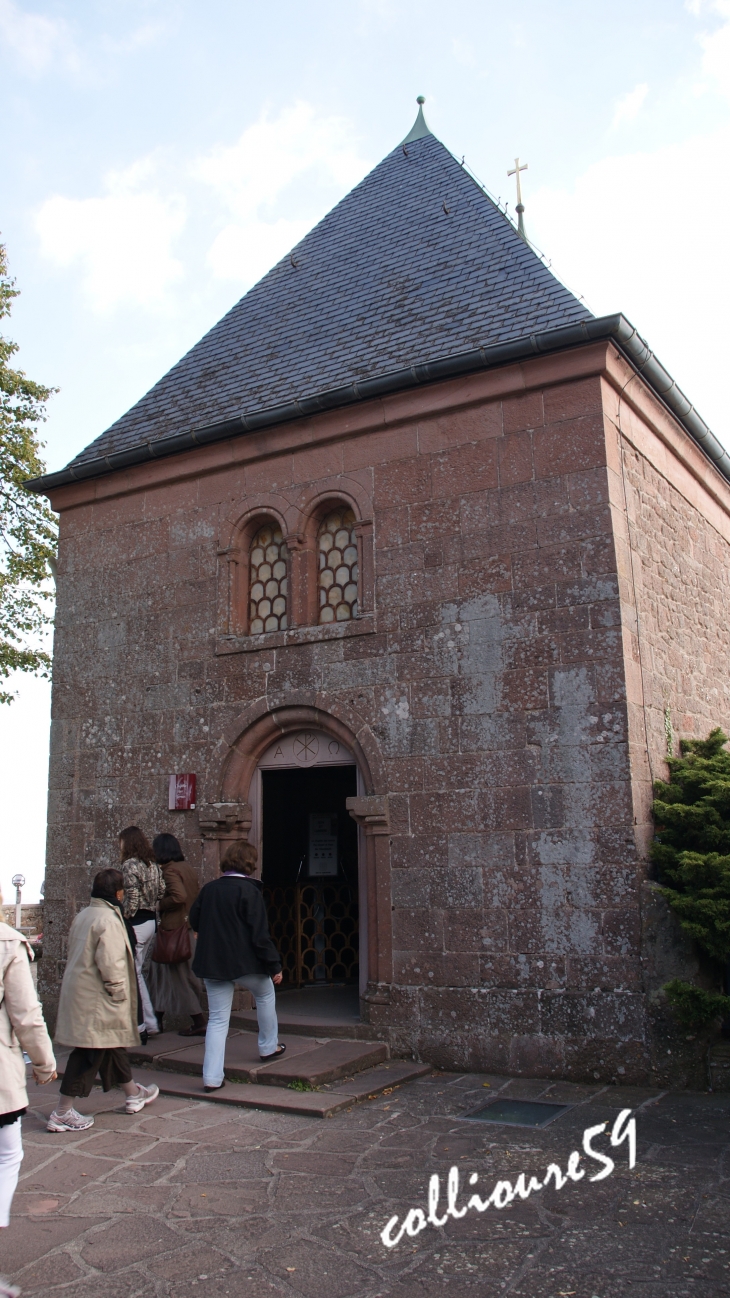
x,y
492,684
672,524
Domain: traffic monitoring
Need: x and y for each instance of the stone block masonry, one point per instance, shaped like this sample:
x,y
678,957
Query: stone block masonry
x,y
547,569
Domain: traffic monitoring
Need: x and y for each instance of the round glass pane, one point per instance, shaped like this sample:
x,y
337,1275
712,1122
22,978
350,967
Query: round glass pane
x,y
327,615
343,613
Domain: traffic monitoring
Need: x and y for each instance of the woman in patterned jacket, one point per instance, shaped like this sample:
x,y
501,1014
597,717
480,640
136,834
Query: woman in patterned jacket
x,y
144,887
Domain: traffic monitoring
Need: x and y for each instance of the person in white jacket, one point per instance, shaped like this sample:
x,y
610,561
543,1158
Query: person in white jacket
x,y
22,1028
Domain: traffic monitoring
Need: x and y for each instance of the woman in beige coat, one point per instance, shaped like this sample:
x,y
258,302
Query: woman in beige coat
x,y
21,1028
97,1010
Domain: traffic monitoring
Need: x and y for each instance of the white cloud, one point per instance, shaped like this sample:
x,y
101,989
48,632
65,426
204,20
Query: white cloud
x,y
36,41
121,241
249,180
630,105
633,237
716,51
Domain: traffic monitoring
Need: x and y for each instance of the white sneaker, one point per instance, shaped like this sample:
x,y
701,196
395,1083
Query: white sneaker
x,y
145,1095
8,1290
68,1121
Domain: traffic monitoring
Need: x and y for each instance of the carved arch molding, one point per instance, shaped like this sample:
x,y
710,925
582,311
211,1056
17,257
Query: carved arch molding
x,y
228,819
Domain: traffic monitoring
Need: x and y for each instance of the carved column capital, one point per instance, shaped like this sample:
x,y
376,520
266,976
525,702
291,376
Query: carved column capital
x,y
225,819
371,812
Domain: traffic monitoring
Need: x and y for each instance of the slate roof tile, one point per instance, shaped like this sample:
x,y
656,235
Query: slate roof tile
x,y
386,280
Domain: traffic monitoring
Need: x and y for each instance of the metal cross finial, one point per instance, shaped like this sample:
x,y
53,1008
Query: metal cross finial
x,y
520,206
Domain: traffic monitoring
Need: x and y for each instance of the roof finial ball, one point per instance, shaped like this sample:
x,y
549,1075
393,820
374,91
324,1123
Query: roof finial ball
x,y
419,128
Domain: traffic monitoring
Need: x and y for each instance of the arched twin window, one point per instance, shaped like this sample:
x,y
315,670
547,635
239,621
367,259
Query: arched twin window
x,y
268,581
326,592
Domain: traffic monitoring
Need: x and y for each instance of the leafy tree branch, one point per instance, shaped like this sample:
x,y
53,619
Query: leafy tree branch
x,y
28,531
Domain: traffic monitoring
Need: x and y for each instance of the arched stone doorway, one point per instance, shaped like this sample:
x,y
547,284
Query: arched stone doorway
x,y
306,738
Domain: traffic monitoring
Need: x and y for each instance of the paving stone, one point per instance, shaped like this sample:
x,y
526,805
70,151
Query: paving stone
x,y
254,1191
109,1249
28,1239
313,1269
56,1269
205,1198
67,1173
225,1166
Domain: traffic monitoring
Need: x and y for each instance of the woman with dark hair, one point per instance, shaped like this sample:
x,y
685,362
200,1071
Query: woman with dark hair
x,y
97,1009
143,889
174,988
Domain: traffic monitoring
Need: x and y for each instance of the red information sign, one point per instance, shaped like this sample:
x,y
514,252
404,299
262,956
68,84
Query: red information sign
x,y
182,793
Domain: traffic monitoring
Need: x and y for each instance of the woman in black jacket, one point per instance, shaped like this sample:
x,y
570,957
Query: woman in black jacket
x,y
234,949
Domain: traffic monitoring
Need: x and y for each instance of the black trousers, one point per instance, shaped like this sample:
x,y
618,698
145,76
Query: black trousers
x,y
112,1065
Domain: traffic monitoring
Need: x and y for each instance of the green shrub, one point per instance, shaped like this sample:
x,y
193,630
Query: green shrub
x,y
693,1007
691,851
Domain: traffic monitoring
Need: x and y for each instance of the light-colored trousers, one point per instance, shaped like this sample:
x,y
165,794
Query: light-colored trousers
x,y
220,999
11,1156
145,935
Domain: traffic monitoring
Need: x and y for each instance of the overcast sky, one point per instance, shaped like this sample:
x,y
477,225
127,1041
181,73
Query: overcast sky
x,y
159,157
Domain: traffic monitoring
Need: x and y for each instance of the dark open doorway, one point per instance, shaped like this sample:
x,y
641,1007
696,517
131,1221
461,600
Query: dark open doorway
x,y
310,874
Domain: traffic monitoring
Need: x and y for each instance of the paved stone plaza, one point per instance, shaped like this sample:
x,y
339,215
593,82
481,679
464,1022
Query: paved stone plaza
x,y
193,1198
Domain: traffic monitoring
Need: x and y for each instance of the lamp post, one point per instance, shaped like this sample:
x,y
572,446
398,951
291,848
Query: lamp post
x,y
18,882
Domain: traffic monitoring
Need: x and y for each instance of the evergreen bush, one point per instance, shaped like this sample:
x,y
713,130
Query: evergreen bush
x,y
691,850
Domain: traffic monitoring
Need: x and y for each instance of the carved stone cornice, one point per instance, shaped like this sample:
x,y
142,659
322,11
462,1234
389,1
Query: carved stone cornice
x,y
371,812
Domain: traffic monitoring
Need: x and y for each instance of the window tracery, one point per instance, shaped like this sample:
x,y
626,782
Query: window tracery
x,y
268,581
338,567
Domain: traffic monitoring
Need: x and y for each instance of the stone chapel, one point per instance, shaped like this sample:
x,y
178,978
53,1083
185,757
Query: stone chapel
x,y
418,567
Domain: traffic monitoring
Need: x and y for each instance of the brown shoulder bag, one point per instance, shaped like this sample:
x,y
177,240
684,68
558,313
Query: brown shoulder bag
x,y
172,945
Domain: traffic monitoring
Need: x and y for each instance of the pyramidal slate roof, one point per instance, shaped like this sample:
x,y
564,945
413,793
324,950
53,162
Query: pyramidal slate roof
x,y
415,264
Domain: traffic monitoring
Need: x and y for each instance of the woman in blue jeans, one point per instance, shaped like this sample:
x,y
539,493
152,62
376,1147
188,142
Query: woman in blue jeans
x,y
234,949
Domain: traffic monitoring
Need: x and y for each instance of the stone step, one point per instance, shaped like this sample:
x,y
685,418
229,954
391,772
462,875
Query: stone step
x,y
300,1026
313,1061
282,1099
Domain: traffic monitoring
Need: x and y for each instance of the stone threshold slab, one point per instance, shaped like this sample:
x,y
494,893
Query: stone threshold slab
x,y
280,1099
299,1026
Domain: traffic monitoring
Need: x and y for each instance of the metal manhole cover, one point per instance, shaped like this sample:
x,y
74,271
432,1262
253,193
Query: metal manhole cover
x,y
518,1113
